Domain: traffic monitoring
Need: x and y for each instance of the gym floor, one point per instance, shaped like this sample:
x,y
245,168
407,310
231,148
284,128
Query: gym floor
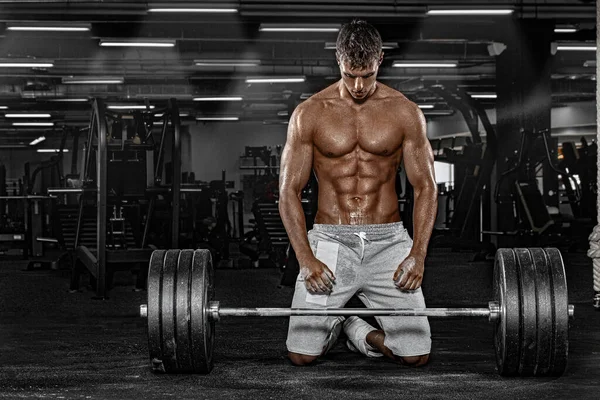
x,y
58,345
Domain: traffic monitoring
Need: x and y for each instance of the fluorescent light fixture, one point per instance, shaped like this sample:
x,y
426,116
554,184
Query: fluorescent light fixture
x,y
36,141
426,106
219,98
137,43
217,118
305,96
283,113
432,64
8,63
565,47
181,114
227,63
49,27
276,80
589,63
385,45
174,9
565,30
299,27
438,112
489,11
129,107
51,150
33,124
483,95
71,100
93,80
26,115
3,107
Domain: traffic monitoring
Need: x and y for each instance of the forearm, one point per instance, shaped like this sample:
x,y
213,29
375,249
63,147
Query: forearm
x,y
424,214
292,215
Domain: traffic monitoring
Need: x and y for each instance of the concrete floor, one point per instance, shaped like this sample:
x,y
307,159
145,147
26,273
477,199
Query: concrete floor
x,y
58,345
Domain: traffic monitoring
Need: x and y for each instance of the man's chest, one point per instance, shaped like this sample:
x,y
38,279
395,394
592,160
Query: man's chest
x,y
378,133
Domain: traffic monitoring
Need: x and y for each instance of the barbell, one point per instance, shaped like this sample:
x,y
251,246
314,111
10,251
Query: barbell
x,y
530,312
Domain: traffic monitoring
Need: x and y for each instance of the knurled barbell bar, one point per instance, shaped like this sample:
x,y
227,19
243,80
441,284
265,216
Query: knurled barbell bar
x,y
530,312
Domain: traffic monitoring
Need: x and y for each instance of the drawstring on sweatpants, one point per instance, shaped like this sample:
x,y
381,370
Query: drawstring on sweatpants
x,y
363,237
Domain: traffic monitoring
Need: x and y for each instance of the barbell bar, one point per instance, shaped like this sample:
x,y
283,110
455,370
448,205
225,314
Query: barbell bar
x,y
530,312
492,313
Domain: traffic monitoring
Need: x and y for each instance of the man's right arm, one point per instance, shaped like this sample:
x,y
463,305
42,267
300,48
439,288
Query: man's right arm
x,y
296,166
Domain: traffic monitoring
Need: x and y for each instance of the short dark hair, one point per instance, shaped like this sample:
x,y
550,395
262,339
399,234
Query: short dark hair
x,y
358,43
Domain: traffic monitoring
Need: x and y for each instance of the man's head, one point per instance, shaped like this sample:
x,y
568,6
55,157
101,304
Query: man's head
x,y
358,53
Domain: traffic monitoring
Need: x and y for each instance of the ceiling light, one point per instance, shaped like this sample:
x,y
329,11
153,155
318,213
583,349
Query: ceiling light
x,y
584,47
33,124
129,107
470,12
435,64
227,63
438,112
276,80
52,150
93,79
589,63
384,46
426,106
3,107
217,118
299,27
283,113
219,98
483,95
71,100
25,115
305,96
181,114
137,43
8,63
565,30
174,8
36,141
49,27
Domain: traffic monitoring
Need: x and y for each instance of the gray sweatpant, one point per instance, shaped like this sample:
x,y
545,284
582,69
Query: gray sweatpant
x,y
363,259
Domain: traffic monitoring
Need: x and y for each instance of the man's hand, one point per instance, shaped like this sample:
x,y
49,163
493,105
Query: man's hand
x,y
409,274
318,279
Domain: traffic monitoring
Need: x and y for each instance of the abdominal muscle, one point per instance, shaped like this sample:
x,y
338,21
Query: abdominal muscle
x,y
356,201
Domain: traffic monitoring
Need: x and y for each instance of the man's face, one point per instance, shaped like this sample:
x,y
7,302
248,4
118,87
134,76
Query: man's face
x,y
359,82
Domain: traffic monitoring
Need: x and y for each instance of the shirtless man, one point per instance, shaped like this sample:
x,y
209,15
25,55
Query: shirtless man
x,y
354,134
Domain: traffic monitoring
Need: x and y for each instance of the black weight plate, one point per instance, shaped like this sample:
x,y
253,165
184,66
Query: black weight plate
x,y
183,332
544,311
506,293
169,345
560,301
527,290
154,309
202,327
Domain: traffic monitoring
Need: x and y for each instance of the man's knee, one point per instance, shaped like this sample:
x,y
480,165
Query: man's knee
x,y
414,361
301,359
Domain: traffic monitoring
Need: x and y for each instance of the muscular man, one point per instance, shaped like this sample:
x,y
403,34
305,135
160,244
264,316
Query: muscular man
x,y
354,134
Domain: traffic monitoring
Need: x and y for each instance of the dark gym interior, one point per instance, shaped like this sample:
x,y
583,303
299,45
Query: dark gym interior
x,y
140,153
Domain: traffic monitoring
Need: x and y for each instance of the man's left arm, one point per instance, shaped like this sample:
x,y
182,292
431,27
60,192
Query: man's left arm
x,y
418,164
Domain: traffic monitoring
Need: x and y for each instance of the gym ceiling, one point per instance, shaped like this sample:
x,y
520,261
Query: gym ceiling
x,y
190,41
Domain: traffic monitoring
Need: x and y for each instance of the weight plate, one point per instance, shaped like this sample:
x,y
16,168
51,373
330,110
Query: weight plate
x,y
543,292
154,309
506,293
182,304
203,328
528,314
560,301
169,345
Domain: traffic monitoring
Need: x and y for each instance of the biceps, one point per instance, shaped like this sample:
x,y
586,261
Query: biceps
x,y
296,164
418,163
